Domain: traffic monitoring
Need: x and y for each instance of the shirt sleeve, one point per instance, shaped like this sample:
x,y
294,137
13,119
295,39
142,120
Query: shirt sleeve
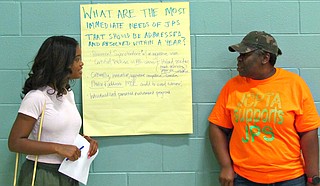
x,y
32,104
309,118
220,115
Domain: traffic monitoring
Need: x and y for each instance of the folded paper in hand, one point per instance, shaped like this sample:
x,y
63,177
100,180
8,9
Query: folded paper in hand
x,y
79,169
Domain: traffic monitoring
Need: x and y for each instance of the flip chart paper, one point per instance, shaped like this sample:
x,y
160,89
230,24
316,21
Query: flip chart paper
x,y
137,69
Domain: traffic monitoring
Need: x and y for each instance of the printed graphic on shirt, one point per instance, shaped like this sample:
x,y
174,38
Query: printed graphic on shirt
x,y
263,108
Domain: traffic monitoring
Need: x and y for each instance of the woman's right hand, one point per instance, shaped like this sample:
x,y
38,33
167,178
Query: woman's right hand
x,y
69,151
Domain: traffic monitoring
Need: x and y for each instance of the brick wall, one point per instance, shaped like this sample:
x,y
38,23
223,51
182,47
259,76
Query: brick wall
x,y
160,160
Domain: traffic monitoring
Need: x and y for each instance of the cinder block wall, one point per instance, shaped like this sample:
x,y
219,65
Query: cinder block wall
x,y
160,160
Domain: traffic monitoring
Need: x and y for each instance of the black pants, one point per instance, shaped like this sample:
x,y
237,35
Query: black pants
x,y
241,181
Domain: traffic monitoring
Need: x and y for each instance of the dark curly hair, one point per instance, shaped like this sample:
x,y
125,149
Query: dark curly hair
x,y
51,65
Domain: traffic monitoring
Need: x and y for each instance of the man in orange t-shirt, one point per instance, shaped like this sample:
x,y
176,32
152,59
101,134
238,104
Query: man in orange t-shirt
x,y
271,117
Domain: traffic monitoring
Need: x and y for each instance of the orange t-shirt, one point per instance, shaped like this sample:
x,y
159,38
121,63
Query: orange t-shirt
x,y
265,116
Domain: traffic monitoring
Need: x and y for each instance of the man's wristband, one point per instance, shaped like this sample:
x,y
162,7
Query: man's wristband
x,y
315,180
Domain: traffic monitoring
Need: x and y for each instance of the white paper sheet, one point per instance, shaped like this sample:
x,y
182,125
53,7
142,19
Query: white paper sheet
x,y
79,170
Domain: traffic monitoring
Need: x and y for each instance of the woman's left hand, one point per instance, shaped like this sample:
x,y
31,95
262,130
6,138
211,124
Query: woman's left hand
x,y
93,146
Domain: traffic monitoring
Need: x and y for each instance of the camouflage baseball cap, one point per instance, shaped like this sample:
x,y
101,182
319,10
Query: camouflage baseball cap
x,y
257,40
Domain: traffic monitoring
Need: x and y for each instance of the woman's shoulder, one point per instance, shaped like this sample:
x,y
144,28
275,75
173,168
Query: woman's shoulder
x,y
38,93
32,103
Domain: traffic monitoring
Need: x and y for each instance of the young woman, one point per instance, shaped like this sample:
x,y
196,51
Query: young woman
x,y
58,61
